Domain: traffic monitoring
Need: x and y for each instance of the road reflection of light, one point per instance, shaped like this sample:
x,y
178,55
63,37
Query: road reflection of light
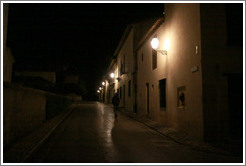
x,y
106,124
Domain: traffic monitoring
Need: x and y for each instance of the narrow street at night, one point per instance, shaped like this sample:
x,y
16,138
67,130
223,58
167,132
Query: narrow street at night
x,y
91,135
175,72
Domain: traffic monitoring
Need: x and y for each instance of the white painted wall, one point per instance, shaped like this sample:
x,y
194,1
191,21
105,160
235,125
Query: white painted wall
x,y
127,51
182,28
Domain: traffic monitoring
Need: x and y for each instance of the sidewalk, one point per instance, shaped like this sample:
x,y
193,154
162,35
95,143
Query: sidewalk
x,y
19,151
175,135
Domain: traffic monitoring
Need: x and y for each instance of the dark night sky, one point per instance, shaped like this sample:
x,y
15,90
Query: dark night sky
x,y
82,35
79,35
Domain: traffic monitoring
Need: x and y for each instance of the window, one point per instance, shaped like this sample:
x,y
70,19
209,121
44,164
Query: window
x,y
162,85
129,88
154,59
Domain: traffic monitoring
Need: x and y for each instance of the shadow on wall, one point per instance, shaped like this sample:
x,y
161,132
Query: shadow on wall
x,y
25,109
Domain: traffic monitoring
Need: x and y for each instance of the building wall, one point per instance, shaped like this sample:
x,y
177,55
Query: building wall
x,y
8,59
111,84
106,94
5,22
127,47
25,109
114,80
182,29
126,55
219,61
109,90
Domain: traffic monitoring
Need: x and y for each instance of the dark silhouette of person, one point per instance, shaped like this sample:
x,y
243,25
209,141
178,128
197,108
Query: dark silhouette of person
x,y
115,102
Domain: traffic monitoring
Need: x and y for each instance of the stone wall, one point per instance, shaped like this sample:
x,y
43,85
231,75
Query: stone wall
x,y
25,109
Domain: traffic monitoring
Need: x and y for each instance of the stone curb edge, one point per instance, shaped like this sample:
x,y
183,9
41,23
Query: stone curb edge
x,y
198,148
27,156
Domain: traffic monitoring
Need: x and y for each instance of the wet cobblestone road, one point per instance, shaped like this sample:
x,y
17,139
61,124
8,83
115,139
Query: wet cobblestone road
x,y
91,135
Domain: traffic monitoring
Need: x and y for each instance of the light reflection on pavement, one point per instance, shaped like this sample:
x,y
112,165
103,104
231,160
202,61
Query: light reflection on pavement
x,y
91,135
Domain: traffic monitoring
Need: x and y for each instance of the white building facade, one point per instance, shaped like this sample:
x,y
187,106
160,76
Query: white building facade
x,y
124,66
192,81
170,86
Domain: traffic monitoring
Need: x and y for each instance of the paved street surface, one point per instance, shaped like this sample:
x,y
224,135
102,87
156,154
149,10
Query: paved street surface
x,y
91,135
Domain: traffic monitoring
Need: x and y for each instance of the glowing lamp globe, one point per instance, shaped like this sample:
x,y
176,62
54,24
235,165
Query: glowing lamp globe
x,y
155,43
112,75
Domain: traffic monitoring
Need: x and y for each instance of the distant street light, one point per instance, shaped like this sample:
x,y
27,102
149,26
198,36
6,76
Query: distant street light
x,y
112,75
98,91
103,83
100,88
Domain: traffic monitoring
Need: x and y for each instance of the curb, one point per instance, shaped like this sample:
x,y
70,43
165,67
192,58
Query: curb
x,y
22,150
196,146
47,135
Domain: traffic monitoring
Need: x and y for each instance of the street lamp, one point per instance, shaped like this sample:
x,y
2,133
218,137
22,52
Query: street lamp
x,y
155,44
103,83
112,75
98,91
100,88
